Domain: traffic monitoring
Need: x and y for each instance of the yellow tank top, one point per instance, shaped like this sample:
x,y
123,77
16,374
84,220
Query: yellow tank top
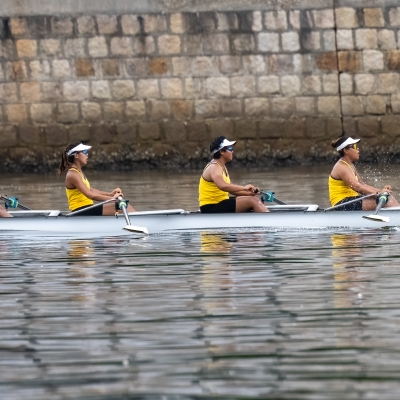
x,y
209,192
338,190
76,198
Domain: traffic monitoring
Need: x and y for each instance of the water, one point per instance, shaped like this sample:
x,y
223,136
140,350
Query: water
x,y
288,315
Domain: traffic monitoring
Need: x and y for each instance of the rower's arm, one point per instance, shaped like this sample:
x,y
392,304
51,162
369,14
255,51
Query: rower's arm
x,y
360,187
236,190
73,179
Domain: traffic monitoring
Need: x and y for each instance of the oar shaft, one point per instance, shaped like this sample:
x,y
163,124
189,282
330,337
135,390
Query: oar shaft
x,y
88,208
350,202
382,201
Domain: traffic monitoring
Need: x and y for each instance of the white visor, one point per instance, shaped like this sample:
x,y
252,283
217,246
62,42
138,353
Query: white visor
x,y
347,142
78,148
225,143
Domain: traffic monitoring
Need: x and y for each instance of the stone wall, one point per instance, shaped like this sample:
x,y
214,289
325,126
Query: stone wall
x,y
149,89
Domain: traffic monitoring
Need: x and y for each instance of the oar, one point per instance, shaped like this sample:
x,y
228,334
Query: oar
x,y
383,199
350,202
269,197
12,202
88,208
129,226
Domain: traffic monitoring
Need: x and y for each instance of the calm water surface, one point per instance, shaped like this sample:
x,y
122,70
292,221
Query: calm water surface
x,y
284,315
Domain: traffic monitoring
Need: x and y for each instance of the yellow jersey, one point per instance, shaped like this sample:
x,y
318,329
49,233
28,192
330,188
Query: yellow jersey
x,y
209,192
338,190
76,199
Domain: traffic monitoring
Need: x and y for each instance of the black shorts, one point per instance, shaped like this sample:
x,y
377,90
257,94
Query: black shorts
x,y
224,206
95,212
356,206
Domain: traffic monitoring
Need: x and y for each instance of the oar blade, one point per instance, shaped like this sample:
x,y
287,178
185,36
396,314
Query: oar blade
x,y
377,218
137,229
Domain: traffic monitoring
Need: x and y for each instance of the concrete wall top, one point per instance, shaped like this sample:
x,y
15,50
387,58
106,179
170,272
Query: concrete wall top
x,y
10,8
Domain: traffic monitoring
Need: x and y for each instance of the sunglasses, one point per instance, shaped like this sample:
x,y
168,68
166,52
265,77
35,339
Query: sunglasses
x,y
86,152
230,148
352,146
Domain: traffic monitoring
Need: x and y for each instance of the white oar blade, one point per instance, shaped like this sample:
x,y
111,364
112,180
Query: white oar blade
x,y
136,229
377,218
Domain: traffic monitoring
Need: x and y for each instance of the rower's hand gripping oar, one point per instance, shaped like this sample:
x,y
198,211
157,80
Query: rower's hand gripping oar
x,y
382,199
12,202
269,197
122,204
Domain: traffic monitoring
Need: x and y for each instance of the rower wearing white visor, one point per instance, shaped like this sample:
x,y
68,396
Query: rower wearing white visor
x,y
346,184
80,194
215,185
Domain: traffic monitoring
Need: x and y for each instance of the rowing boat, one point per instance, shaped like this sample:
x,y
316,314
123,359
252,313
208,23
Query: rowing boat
x,y
53,223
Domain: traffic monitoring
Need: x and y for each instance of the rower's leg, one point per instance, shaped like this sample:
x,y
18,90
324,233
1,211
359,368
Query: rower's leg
x,y
109,209
249,203
369,204
392,202
4,213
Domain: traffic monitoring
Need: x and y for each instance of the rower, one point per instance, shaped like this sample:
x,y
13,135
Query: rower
x,y
215,184
79,192
346,184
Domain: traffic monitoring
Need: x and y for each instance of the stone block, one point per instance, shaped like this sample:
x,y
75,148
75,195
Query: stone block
x,y
136,67
231,108
130,24
56,135
330,84
51,91
315,128
243,86
16,71
8,136
327,61
154,23
276,20
16,113
368,126
144,45
41,113
256,25
157,66
305,106
79,133
290,41
103,133
294,128
346,17
135,110
26,48
121,46
197,131
229,64
226,22
311,84
76,90
101,90
148,88
393,60
38,26
365,83
177,23
50,47
61,69
123,89
18,26
97,47
257,107
194,88
193,44
224,127
373,17
75,48
86,25
395,102
181,66
171,88
243,43
281,64
349,126
254,64
158,110
206,109
290,85
8,93
182,109
334,127
375,104
175,132
126,134
245,129
113,111
282,107
30,92
344,38
84,67
268,42
107,24
373,60
352,105
328,40
394,16
110,67
391,125
386,39
349,61
62,26
311,40
7,49
387,83
91,112
268,85
346,84
169,44
218,87
366,39
271,128
329,106
324,18
67,113
30,134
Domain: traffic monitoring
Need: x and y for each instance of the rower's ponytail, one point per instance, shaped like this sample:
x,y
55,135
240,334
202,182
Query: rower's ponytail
x,y
336,143
66,160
